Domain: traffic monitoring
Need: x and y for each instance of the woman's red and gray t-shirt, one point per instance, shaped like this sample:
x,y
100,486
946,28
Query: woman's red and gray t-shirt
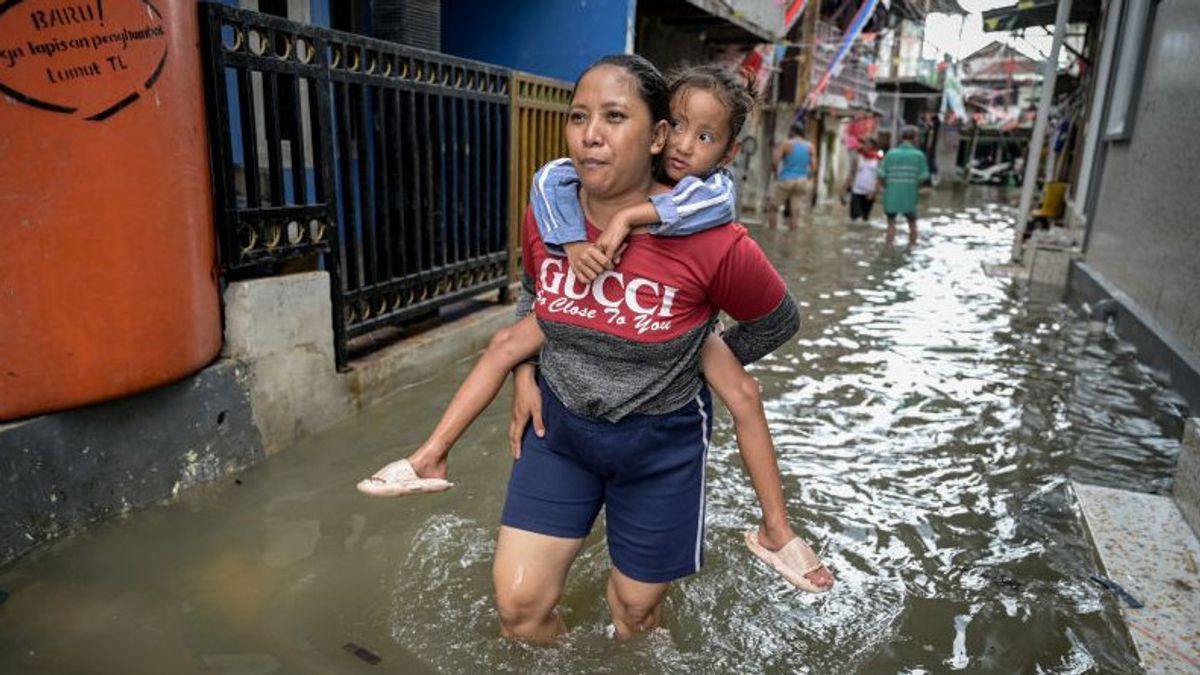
x,y
630,341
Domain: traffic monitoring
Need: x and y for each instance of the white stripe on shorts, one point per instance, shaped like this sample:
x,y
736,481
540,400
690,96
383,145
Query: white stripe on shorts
x,y
703,465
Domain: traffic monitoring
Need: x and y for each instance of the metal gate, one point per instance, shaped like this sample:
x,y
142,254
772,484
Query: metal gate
x,y
539,120
386,166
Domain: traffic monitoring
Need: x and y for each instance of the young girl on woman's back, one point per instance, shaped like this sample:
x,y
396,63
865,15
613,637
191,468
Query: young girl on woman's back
x,y
708,109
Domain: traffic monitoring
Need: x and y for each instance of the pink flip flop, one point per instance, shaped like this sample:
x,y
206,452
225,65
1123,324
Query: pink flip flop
x,y
398,479
793,561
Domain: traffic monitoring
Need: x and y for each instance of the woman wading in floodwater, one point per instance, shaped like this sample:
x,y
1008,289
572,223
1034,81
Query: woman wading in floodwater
x,y
627,415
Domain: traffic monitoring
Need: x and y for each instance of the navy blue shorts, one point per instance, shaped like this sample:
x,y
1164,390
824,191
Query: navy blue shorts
x,y
647,471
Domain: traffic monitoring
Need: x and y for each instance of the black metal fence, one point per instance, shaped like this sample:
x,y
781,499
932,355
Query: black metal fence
x,y
385,165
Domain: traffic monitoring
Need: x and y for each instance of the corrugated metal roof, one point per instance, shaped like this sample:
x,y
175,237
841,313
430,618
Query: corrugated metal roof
x,y
1030,13
916,10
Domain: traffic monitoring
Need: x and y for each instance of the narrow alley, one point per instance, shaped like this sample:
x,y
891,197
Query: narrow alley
x,y
928,418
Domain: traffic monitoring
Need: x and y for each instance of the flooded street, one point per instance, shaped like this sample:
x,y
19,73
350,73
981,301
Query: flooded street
x,y
928,418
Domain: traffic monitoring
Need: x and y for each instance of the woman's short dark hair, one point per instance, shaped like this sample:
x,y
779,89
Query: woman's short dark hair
x,y
651,85
735,91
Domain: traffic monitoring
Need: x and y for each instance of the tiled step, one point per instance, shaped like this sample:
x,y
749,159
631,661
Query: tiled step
x,y
1147,547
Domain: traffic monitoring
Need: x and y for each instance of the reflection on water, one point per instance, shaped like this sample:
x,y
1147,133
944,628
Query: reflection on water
x,y
927,417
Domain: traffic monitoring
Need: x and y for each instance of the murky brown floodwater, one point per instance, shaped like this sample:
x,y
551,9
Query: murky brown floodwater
x,y
928,418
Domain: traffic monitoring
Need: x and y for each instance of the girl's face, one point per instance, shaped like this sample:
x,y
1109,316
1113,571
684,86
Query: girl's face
x,y
700,134
610,134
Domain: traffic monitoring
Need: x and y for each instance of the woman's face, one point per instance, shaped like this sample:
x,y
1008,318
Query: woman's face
x,y
610,135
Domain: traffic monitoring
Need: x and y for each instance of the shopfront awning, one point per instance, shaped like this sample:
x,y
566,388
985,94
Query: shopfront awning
x,y
917,10
909,85
1031,13
761,18
745,22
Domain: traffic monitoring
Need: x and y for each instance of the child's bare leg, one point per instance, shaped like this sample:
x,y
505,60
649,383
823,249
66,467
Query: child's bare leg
x,y
508,348
742,396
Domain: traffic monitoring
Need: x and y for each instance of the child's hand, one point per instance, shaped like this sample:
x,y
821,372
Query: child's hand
x,y
587,260
612,238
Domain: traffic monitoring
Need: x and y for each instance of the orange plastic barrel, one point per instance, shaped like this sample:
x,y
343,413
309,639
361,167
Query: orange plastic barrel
x,y
108,281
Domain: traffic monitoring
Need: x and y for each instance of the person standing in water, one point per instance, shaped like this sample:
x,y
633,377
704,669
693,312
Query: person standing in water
x,y
863,179
901,172
794,165
627,416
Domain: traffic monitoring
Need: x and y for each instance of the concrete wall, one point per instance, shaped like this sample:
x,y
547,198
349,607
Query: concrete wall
x,y
545,37
1156,346
669,47
768,127
280,332
275,383
63,471
1144,238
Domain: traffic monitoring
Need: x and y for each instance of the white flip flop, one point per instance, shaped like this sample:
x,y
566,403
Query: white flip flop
x,y
792,562
398,479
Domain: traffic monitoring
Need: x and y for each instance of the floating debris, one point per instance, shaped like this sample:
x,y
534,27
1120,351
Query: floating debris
x,y
1118,590
1002,579
362,653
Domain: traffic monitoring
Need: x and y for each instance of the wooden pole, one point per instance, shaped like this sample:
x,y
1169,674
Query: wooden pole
x,y
1032,163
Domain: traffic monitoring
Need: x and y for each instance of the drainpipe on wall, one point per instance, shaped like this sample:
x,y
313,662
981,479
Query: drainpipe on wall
x,y
1032,163
1091,162
894,140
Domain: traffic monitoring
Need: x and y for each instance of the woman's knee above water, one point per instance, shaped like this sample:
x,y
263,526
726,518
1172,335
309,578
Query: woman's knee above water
x,y
521,609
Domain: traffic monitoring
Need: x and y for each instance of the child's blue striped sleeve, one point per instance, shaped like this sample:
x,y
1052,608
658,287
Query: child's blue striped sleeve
x,y
554,198
695,205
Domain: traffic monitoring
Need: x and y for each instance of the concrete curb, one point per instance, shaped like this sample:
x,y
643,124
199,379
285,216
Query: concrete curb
x,y
1145,546
1187,475
1156,346
1148,544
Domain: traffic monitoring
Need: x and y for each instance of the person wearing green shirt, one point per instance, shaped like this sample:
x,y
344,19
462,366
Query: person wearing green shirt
x,y
902,170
